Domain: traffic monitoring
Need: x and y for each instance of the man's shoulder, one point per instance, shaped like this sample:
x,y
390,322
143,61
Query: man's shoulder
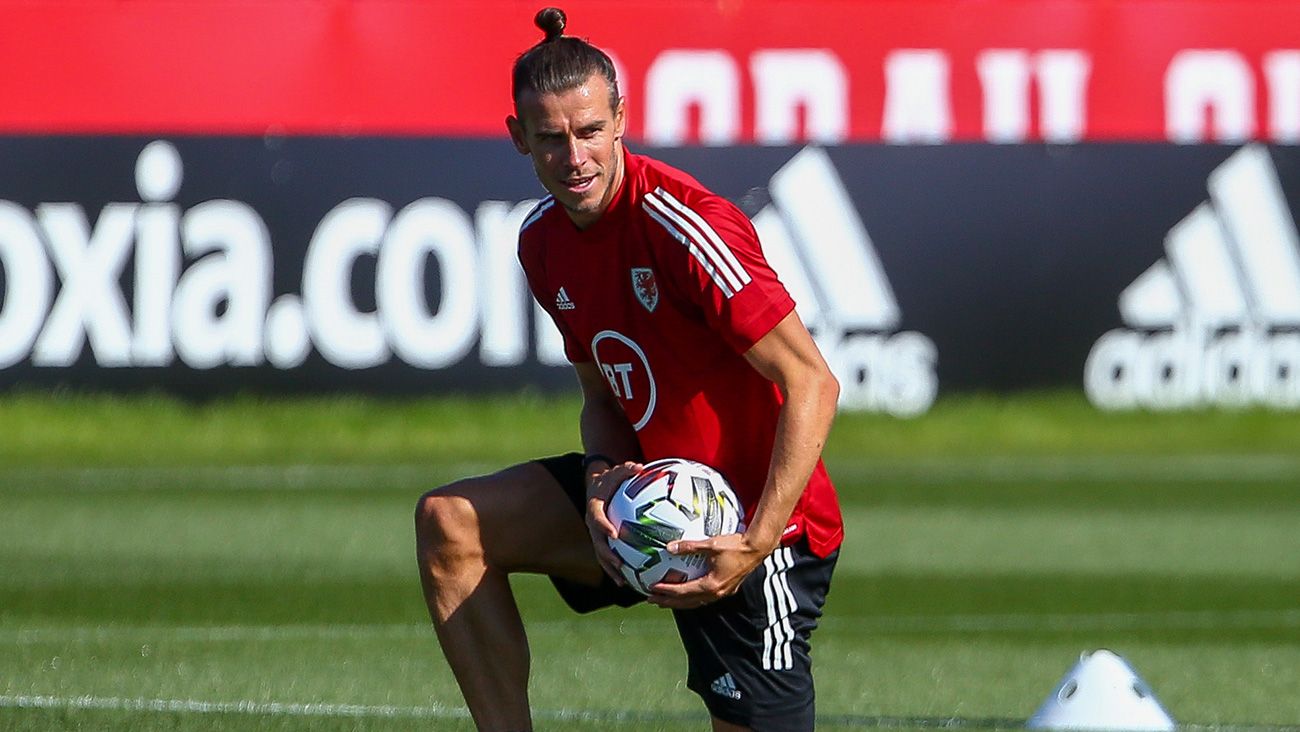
x,y
658,176
656,173
533,227
671,196
532,236
536,215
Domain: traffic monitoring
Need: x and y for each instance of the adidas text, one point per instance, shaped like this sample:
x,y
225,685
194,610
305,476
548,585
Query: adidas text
x,y
1217,321
1178,370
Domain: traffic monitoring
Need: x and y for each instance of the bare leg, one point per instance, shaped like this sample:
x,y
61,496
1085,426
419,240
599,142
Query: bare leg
x,y
721,726
469,536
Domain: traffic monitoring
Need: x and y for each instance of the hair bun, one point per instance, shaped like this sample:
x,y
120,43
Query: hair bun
x,y
551,21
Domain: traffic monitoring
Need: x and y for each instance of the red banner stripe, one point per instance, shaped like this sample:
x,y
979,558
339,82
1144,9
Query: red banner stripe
x,y
408,67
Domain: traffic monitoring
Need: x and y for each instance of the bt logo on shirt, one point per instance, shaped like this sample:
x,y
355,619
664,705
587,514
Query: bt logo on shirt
x,y
628,371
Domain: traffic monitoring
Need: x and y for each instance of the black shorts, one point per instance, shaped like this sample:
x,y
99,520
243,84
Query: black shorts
x,y
748,654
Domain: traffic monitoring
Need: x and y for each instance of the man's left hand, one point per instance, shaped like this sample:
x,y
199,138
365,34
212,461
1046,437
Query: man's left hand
x,y
731,558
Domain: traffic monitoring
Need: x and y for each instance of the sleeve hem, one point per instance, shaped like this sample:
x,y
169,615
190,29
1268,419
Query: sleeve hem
x,y
760,323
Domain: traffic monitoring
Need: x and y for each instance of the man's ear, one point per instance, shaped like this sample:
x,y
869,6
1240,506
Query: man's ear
x,y
620,118
516,129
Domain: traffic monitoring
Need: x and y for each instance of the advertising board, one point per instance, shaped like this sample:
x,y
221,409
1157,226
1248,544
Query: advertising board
x,y
318,196
213,264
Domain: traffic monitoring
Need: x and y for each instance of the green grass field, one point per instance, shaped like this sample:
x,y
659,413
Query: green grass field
x,y
248,564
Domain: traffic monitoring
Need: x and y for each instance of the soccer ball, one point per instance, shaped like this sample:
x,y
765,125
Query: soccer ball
x,y
668,500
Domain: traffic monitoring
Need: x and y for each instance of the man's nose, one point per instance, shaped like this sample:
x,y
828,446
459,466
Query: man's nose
x,y
577,152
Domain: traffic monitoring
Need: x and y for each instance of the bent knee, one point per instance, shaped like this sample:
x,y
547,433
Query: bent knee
x,y
446,522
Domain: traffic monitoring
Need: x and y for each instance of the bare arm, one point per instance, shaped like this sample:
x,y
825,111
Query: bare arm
x,y
604,427
606,432
788,357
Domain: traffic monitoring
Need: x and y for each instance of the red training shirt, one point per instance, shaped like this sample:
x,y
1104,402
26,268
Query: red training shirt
x,y
665,292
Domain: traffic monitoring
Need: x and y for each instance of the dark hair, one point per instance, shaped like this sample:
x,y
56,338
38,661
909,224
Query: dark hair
x,y
559,62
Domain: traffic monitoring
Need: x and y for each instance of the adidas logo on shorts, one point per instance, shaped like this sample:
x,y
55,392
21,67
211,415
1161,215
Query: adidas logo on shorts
x,y
724,685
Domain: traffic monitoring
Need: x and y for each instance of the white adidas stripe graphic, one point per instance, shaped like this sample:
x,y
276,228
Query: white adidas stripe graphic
x,y
1237,258
815,240
778,636
720,248
818,245
1225,301
703,242
541,208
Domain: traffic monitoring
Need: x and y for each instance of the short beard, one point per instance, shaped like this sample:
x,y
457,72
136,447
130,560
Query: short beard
x,y
585,210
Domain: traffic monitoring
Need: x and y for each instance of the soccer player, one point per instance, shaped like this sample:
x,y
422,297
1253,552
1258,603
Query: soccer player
x,y
685,345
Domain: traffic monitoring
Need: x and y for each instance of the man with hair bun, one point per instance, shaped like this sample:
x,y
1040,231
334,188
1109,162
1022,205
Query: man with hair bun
x,y
685,344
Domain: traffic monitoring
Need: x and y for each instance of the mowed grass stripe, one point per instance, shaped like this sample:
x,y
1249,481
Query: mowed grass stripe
x,y
989,544
248,707
117,704
968,470
315,709
40,429
861,625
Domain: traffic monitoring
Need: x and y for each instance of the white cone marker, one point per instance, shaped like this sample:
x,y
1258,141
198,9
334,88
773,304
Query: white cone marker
x,y
1101,692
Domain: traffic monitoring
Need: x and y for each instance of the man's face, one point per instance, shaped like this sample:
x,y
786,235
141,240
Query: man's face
x,y
573,139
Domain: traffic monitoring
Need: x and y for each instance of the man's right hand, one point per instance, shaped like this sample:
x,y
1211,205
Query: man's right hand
x,y
600,486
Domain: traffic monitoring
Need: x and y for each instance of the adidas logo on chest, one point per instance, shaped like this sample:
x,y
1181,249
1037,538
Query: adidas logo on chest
x,y
562,301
